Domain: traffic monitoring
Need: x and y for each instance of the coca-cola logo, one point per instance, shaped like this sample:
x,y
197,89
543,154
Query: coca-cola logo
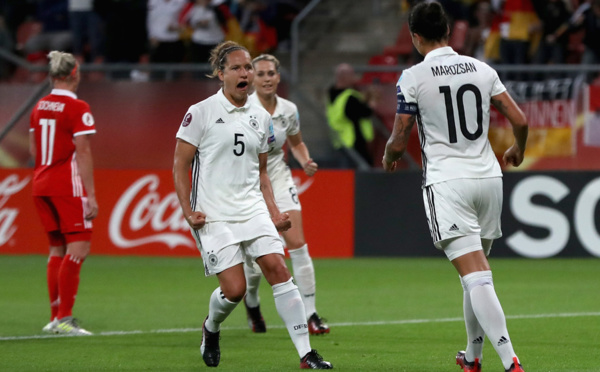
x,y
141,206
8,187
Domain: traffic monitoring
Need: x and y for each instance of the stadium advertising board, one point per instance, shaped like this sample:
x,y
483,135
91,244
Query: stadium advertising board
x,y
140,214
544,215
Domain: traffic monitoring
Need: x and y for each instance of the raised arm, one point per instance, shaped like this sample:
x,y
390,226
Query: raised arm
x,y
182,162
281,220
301,154
507,107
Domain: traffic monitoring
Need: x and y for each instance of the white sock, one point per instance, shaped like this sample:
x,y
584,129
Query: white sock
x,y
304,273
291,310
219,309
475,334
253,275
489,313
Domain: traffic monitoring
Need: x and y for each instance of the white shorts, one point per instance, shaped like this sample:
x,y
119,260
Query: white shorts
x,y
285,193
464,207
226,244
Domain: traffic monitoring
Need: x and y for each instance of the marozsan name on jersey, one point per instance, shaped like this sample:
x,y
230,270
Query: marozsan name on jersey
x,y
457,69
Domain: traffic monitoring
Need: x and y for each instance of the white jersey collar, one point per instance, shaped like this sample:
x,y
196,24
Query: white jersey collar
x,y
230,107
278,107
63,92
440,52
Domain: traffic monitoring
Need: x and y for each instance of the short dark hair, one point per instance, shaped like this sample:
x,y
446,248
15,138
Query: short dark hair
x,y
429,20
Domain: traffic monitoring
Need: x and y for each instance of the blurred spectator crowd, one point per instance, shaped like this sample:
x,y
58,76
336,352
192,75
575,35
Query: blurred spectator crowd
x,y
139,31
525,31
174,31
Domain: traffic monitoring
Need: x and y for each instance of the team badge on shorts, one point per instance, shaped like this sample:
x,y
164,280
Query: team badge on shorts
x,y
213,260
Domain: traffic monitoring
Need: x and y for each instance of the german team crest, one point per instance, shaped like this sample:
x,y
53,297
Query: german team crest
x,y
253,122
213,260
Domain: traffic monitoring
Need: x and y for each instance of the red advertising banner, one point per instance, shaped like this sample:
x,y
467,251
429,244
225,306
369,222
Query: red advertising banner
x,y
140,214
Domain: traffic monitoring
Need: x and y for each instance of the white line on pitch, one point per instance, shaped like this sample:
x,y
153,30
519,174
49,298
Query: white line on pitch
x,y
347,324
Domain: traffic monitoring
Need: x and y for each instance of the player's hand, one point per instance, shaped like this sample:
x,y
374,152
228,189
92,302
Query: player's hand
x,y
389,167
91,208
310,168
513,156
282,222
196,220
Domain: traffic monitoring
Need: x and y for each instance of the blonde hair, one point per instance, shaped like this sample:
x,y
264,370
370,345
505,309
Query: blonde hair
x,y
62,65
268,58
218,56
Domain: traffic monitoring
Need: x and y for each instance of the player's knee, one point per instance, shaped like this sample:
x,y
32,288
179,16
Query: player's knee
x,y
78,244
295,243
277,274
477,278
235,293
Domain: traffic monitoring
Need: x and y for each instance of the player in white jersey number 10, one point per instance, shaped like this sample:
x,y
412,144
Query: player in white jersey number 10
x,y
449,97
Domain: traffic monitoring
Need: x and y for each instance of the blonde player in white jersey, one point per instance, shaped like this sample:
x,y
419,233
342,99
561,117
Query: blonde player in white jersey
x,y
229,205
449,97
286,125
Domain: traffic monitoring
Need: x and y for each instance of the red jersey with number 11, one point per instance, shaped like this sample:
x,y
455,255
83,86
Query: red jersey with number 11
x,y
55,122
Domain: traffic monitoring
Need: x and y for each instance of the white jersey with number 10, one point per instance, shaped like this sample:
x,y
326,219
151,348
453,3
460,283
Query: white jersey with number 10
x,y
451,96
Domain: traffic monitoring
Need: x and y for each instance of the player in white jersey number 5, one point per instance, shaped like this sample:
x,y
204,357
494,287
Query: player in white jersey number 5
x,y
286,124
229,205
449,97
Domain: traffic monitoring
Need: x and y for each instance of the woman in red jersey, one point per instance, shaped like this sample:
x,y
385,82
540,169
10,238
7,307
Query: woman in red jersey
x,y
63,186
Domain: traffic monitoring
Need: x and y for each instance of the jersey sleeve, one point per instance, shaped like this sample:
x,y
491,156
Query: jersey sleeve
x,y
84,122
497,86
269,137
406,95
191,127
293,127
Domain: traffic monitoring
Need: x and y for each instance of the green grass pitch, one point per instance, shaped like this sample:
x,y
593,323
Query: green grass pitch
x,y
392,314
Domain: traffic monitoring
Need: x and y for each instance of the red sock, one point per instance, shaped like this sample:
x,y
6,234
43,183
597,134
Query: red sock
x,y
52,271
68,283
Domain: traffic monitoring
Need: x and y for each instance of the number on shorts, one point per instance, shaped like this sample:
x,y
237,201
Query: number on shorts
x,y
294,194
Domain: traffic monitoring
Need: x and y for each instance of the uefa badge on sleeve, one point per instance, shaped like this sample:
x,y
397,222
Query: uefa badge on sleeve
x,y
187,119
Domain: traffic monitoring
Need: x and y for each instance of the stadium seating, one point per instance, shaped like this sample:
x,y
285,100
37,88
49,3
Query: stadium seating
x,y
403,47
458,36
381,77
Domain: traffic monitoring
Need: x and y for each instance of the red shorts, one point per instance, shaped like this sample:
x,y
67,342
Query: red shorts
x,y
63,218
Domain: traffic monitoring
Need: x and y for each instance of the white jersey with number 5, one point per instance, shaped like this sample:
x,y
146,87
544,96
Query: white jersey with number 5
x,y
225,175
451,96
